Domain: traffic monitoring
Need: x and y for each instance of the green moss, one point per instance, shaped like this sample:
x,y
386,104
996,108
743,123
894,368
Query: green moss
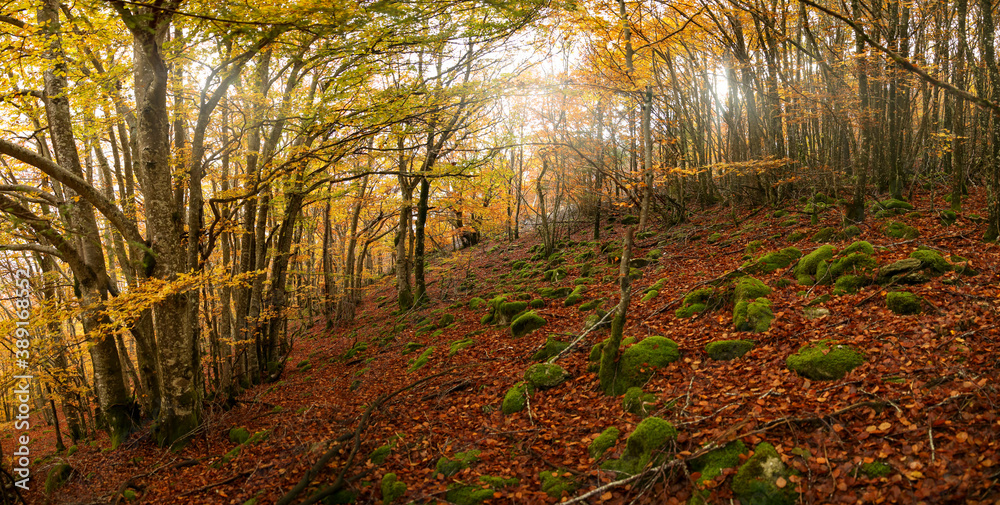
x,y
499,482
591,305
862,246
239,435
805,270
57,476
748,288
895,229
411,346
516,398
825,235
638,362
755,316
508,310
753,246
551,348
458,345
462,460
649,436
894,204
637,402
526,323
603,442
392,488
421,360
774,260
755,481
713,238
575,297
555,483
555,292
903,303
465,494
796,236
711,464
875,469
690,310
555,275
260,436
725,350
629,220
948,217
545,375
848,232
824,360
779,213
849,284
654,254
595,320
71,451
537,303
855,263
932,261
583,280
650,295
379,455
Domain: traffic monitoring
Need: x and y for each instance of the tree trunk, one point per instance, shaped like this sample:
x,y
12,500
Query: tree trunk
x,y
609,368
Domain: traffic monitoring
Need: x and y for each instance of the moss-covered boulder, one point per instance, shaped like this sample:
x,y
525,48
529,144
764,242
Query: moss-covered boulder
x,y
749,288
629,220
603,442
639,361
637,402
57,476
476,303
725,350
526,323
551,348
545,375
461,461
597,321
753,315
642,446
774,260
756,482
555,275
696,301
895,229
562,292
458,345
931,261
421,360
239,435
862,246
805,270
903,303
893,271
575,297
711,465
825,235
849,284
713,238
824,360
507,311
555,483
875,469
392,488
461,493
516,398
499,482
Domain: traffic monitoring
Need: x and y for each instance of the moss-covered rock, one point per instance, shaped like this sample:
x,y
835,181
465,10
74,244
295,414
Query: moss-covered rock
x,y
598,348
476,303
583,280
895,229
860,246
597,321
753,315
462,460
894,204
713,238
591,305
948,217
710,466
556,483
849,232
551,348
690,310
749,288
932,261
629,220
555,275
774,260
57,476
875,469
460,344
849,284
392,488
697,301
516,398
603,442
779,213
575,297
461,493
805,270
896,269
239,435
555,292
526,323
545,375
855,263
825,235
756,480
499,482
903,303
638,361
637,402
649,436
824,360
411,346
725,350
421,360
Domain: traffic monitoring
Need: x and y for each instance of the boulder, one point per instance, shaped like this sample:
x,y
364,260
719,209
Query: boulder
x,y
824,361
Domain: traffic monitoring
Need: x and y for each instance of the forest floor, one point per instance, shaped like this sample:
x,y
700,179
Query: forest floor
x,y
923,403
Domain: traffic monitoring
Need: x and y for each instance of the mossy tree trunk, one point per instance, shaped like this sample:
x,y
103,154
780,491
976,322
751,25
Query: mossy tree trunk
x,y
609,355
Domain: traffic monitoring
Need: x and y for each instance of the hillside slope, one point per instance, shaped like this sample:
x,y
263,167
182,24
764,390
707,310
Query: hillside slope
x,y
914,421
